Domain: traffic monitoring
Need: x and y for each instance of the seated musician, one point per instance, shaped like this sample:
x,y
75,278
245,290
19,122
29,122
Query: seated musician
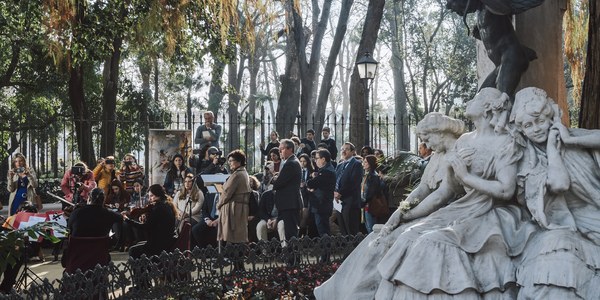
x,y
205,232
91,220
159,224
139,199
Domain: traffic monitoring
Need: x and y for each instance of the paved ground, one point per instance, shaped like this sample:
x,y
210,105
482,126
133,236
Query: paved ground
x,y
53,270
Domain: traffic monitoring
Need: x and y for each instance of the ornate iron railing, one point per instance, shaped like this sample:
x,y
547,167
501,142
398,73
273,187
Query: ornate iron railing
x,y
209,273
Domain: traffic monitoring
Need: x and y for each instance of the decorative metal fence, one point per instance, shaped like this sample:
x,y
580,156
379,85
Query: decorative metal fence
x,y
54,148
235,270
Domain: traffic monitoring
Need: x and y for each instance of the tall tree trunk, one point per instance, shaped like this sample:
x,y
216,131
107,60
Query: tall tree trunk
x,y
309,69
234,78
254,67
109,100
326,85
188,107
54,154
357,91
589,114
215,91
289,98
83,126
400,97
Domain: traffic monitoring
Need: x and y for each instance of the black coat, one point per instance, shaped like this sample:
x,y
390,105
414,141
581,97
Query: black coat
x,y
266,205
159,227
321,199
349,177
92,221
287,185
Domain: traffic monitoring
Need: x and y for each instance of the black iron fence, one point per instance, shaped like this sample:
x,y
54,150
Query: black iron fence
x,y
51,149
263,270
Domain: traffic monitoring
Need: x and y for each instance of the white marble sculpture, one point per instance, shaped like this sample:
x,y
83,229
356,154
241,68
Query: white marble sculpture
x,y
439,132
542,242
559,181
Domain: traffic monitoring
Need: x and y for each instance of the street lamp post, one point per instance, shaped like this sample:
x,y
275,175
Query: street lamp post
x,y
367,68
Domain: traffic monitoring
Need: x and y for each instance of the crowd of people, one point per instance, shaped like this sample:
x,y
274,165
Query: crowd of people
x,y
304,189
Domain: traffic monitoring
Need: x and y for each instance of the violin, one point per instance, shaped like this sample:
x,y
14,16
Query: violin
x,y
135,213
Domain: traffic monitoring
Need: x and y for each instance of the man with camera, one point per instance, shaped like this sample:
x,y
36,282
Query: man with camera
x,y
213,162
77,183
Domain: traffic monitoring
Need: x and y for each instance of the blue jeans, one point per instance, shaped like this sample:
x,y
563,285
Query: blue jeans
x,y
322,222
369,221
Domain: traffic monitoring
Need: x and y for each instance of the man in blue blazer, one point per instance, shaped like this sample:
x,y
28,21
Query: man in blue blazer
x,y
347,189
286,185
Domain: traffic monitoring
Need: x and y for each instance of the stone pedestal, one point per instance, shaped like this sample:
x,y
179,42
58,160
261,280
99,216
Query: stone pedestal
x,y
540,29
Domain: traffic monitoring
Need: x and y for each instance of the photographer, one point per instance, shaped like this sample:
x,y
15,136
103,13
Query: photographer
x,y
130,172
213,162
105,172
22,183
77,183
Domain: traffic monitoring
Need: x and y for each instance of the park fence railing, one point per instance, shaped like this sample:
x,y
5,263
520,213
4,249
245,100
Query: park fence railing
x,y
263,270
53,148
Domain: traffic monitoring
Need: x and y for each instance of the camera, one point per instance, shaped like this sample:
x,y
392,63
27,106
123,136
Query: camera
x,y
222,160
20,170
128,163
77,170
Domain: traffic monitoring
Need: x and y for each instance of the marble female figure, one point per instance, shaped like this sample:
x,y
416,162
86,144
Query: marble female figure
x,y
440,132
559,182
464,250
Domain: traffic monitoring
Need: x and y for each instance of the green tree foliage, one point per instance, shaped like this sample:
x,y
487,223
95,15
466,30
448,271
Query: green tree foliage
x,y
439,57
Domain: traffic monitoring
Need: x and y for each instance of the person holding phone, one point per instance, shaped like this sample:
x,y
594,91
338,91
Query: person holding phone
x,y
130,172
22,183
105,173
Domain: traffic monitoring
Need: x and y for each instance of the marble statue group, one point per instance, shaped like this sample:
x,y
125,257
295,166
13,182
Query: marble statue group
x,y
511,214
510,210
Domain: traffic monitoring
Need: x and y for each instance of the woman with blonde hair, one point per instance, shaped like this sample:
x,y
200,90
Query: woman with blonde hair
x,y
22,183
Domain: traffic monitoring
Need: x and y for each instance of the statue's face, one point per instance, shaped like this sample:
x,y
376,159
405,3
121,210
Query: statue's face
x,y
536,127
458,6
434,140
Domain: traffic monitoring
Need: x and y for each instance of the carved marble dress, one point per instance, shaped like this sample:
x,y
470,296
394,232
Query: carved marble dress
x,y
562,260
358,277
464,250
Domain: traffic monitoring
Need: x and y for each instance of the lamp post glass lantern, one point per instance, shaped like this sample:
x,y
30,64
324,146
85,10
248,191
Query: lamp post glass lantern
x,y
367,68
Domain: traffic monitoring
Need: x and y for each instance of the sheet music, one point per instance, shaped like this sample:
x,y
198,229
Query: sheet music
x,y
214,178
337,206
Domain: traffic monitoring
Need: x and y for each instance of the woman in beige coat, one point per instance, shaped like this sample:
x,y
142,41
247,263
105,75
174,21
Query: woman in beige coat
x,y
234,201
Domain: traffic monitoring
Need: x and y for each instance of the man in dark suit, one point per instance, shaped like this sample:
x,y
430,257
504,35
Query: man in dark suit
x,y
205,232
286,184
347,189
